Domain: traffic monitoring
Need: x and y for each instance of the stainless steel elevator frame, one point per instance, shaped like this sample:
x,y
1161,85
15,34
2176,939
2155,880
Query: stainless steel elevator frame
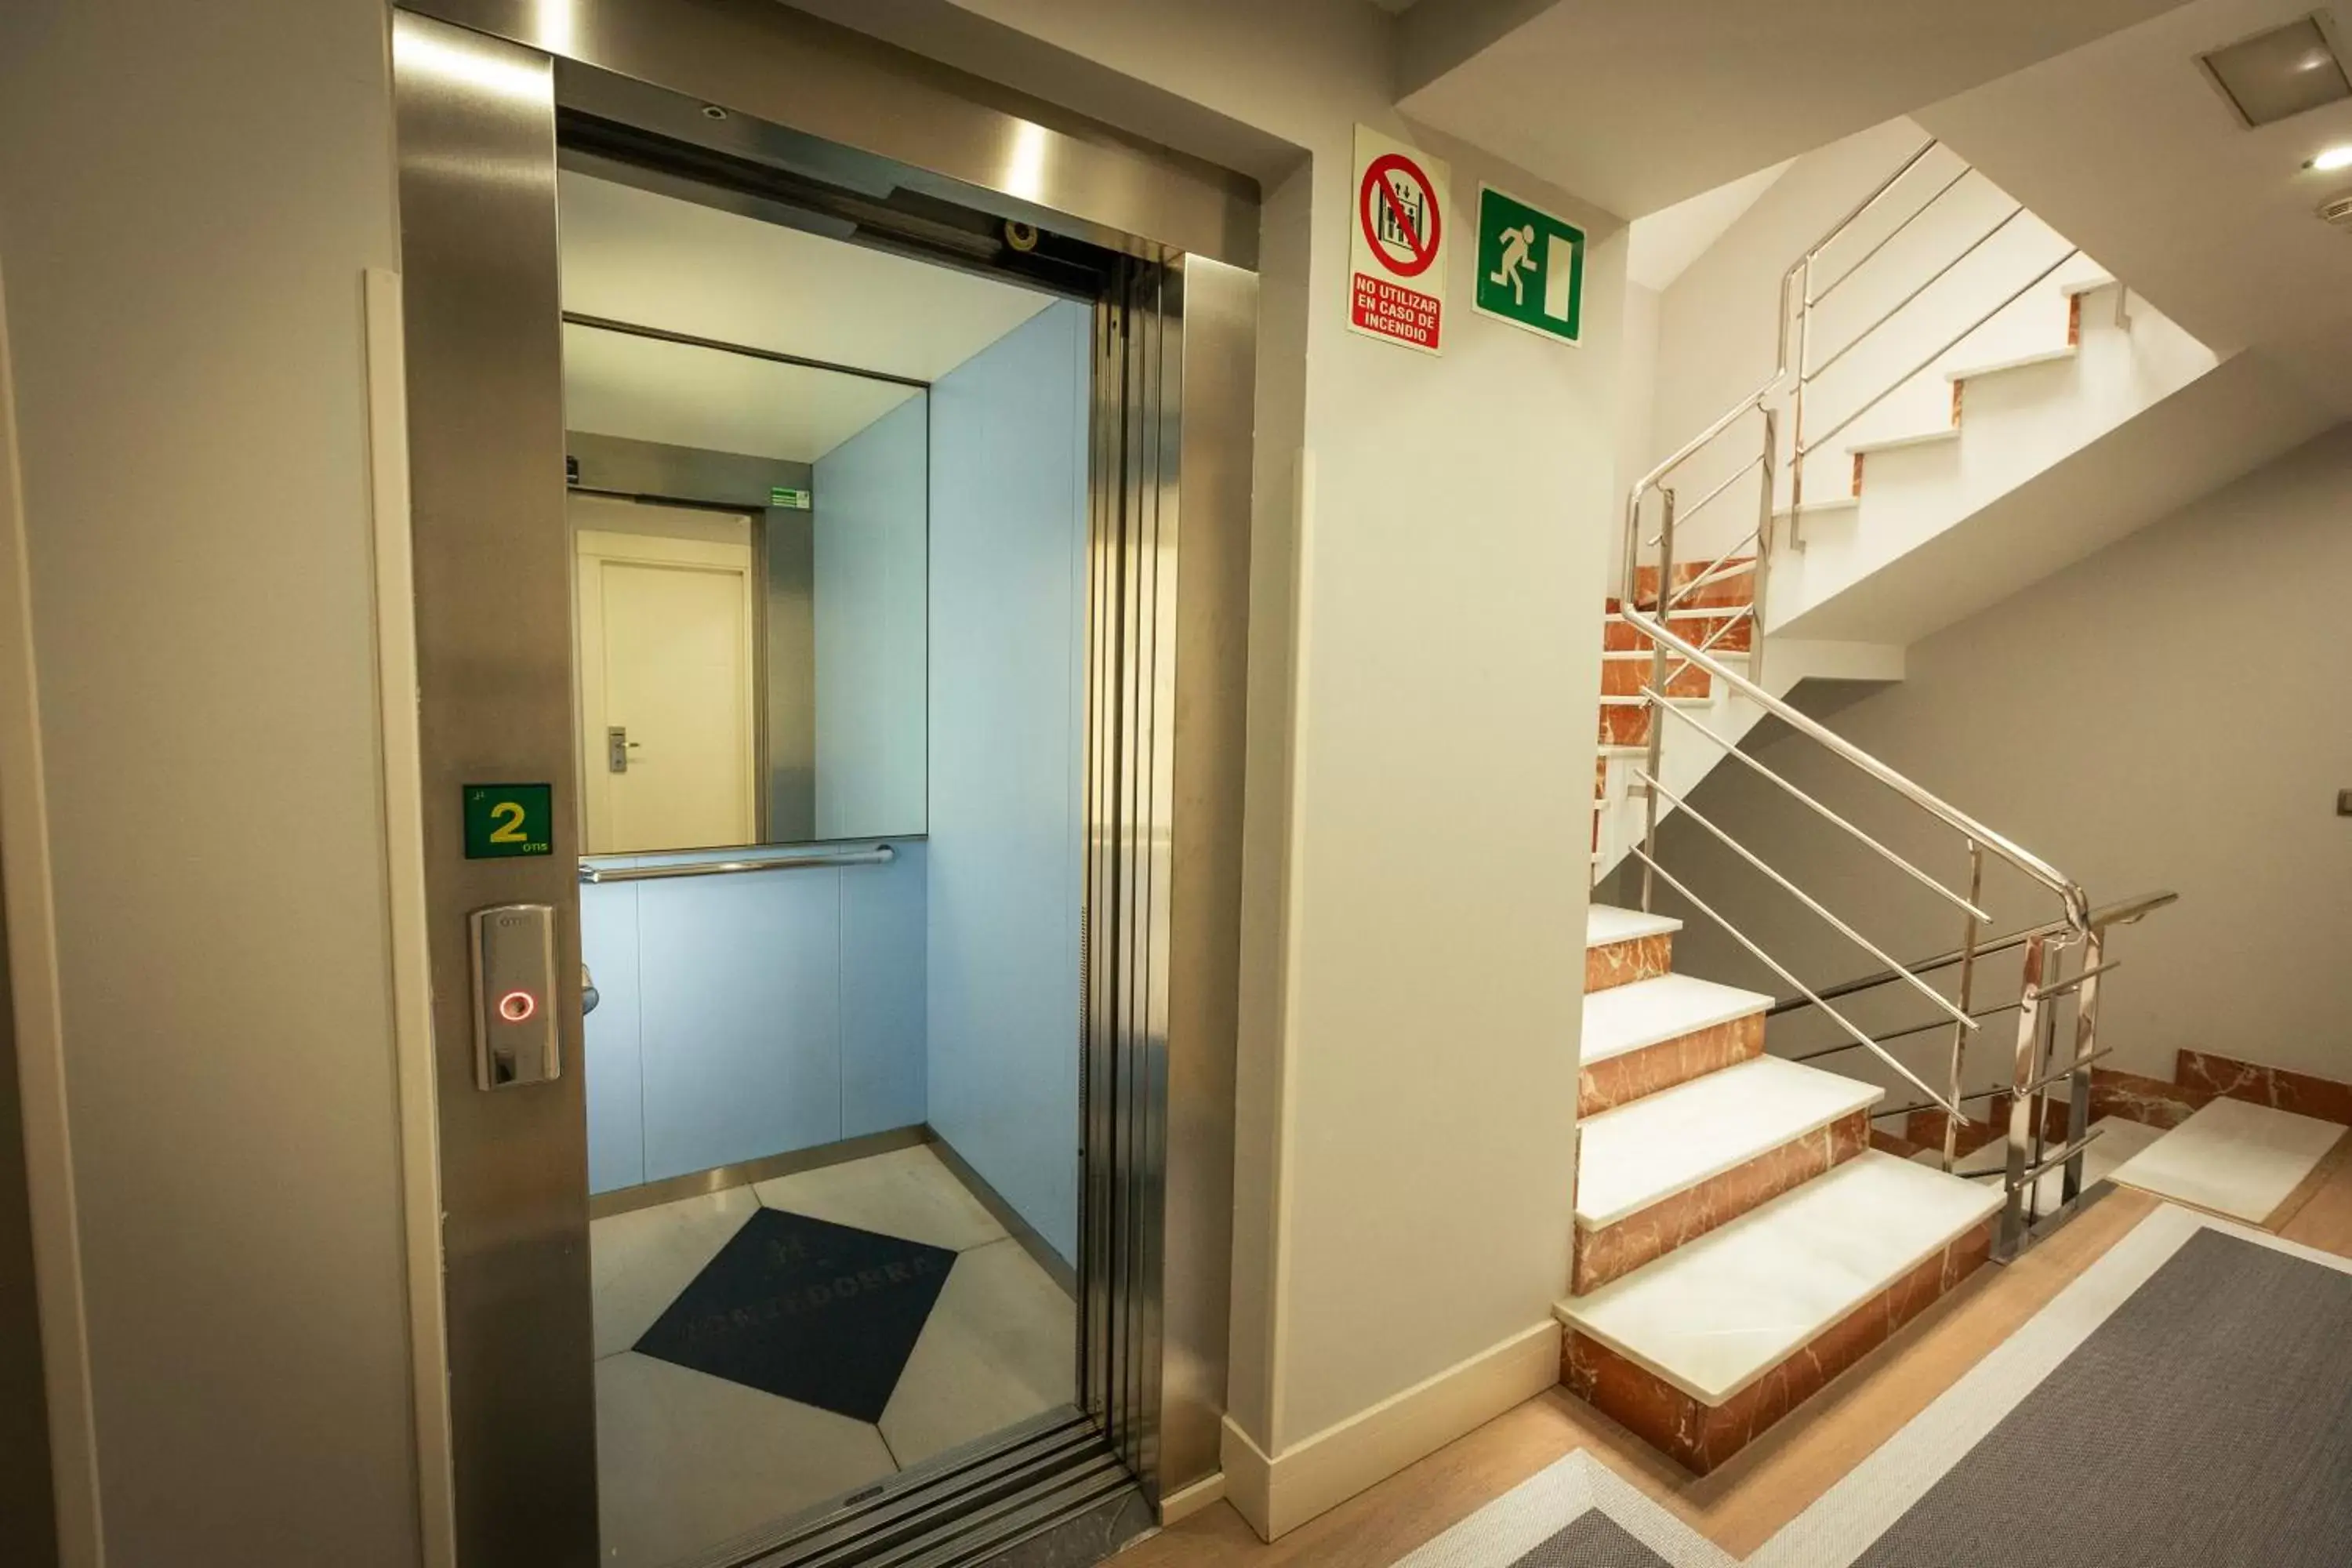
x,y
478,84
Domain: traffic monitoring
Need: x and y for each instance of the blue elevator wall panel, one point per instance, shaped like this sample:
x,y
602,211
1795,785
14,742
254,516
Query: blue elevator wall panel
x,y
869,522
740,978
1008,576
882,994
617,1119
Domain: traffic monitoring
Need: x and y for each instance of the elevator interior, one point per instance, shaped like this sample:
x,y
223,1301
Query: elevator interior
x,y
828,512
972,991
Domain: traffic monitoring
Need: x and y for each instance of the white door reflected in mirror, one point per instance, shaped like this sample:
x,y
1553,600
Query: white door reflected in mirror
x,y
666,682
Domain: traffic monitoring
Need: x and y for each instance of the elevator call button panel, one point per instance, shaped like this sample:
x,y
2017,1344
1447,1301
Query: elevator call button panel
x,y
515,1038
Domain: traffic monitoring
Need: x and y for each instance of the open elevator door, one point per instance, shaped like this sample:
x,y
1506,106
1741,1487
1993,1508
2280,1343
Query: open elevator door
x,y
752,104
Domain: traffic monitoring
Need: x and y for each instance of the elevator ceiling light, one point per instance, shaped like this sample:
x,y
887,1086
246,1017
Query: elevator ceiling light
x,y
2333,158
2280,73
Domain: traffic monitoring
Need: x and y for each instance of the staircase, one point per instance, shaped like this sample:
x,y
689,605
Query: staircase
x,y
1954,376
1743,1230
1738,1242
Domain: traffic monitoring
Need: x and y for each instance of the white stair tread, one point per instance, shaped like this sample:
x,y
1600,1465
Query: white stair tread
x,y
1627,1017
1605,923
2233,1158
1670,1142
1638,701
1727,655
1836,503
1714,1315
2085,285
2047,356
1897,443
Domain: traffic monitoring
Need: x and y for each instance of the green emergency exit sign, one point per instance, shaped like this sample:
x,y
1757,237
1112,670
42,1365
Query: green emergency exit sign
x,y
504,819
1530,266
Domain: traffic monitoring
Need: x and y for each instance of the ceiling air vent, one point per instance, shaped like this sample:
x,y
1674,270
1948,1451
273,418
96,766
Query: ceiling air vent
x,y
2337,209
2275,74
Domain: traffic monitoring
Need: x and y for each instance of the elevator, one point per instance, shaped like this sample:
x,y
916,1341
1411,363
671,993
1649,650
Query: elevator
x,y
533,539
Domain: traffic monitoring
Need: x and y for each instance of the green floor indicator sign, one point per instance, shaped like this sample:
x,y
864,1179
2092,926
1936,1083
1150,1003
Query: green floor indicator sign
x,y
504,819
1530,266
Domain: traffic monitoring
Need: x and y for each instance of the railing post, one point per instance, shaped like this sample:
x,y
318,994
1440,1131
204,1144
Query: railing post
x,y
1969,934
2087,1046
1797,406
1657,721
2022,1102
1763,549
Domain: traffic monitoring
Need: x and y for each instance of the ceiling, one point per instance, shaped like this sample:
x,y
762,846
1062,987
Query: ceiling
x,y
1660,247
2126,149
1638,106
656,260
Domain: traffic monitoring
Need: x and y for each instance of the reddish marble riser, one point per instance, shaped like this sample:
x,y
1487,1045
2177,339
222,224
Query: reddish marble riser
x,y
1624,724
1618,637
1615,1250
2149,1100
1631,678
1734,588
1622,963
1700,1437
1925,1129
1621,1080
1894,1143
2299,1093
1599,777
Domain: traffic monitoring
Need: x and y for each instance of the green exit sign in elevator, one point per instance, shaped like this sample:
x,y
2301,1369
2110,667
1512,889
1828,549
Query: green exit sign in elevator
x,y
504,819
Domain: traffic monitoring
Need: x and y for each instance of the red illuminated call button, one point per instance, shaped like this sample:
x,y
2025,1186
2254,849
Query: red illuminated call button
x,y
516,1005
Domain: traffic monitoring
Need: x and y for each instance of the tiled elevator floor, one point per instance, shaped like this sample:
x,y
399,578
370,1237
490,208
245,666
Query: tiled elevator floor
x,y
762,1349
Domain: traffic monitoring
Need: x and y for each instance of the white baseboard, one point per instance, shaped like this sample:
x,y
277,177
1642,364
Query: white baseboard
x,y
1186,1502
1279,1493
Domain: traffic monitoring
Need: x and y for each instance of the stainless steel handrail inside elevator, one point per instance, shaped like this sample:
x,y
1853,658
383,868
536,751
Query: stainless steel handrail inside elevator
x,y
879,855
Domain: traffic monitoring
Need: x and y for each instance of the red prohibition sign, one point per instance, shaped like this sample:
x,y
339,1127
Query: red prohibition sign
x,y
1376,179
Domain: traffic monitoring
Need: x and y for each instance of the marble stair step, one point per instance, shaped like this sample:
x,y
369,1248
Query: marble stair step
x,y
1647,1029
1711,1317
1662,1144
1628,674
1699,627
1651,1012
1622,947
1606,923
1625,721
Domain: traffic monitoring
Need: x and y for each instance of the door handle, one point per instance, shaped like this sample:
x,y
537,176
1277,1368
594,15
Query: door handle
x,y
617,747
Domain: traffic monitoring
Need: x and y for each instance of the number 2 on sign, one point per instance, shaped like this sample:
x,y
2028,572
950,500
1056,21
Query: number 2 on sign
x,y
508,816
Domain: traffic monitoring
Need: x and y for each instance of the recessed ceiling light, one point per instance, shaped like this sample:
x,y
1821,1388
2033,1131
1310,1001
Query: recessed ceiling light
x,y
2333,158
2275,74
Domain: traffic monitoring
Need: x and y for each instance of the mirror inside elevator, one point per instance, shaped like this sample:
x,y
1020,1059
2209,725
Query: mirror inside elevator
x,y
828,514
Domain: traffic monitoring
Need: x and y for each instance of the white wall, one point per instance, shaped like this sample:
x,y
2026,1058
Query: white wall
x,y
184,316
870,499
2166,713
1008,736
1424,636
